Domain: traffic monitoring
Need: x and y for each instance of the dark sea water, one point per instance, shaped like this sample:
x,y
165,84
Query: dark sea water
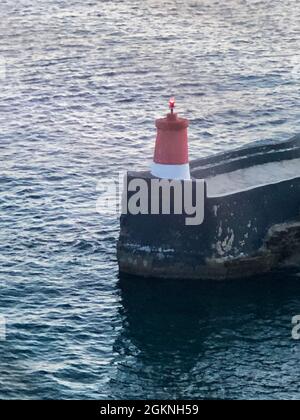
x,y
81,83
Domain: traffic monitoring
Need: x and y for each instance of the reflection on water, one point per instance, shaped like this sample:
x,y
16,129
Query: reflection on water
x,y
187,339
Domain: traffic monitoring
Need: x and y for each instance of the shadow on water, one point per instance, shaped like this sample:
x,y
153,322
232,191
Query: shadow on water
x,y
189,339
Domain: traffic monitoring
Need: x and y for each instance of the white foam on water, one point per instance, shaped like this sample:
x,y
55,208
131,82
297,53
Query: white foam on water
x,y
255,176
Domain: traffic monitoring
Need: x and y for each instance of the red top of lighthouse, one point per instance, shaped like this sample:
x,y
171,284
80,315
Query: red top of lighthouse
x,y
172,141
172,121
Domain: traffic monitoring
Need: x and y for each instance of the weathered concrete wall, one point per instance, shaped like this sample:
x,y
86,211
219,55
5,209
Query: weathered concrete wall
x,y
242,234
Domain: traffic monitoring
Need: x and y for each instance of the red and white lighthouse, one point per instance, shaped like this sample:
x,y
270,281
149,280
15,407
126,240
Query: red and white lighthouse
x,y
171,159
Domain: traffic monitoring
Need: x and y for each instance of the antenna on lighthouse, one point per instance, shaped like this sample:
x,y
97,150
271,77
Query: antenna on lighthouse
x,y
172,104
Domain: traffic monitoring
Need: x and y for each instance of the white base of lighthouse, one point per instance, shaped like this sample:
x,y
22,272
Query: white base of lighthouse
x,y
171,171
